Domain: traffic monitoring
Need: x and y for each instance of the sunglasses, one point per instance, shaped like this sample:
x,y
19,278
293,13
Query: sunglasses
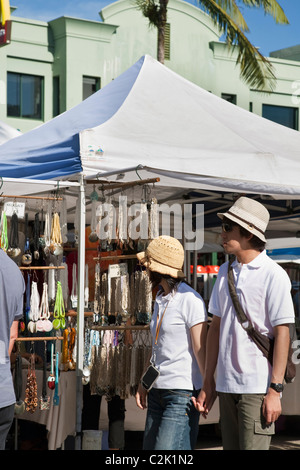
x,y
226,227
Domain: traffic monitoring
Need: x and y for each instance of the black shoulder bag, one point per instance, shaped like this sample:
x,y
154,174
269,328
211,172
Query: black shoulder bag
x,y
264,343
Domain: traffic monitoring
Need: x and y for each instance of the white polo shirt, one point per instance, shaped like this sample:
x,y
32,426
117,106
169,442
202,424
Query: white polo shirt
x,y
263,289
174,353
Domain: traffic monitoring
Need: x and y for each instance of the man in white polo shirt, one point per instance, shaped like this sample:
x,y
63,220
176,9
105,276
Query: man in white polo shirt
x,y
249,389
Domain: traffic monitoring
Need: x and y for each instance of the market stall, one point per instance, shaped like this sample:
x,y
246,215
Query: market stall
x,y
150,123
33,236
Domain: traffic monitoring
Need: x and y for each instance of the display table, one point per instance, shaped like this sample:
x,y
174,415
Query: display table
x,y
60,420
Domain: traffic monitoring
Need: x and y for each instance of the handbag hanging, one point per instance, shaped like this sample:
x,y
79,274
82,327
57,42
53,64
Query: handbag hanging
x,y
263,342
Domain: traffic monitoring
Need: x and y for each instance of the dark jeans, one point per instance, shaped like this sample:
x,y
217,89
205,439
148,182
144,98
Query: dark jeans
x,y
172,420
6,420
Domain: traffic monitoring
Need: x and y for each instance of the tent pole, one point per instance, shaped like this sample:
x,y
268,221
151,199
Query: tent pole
x,y
105,174
80,313
195,269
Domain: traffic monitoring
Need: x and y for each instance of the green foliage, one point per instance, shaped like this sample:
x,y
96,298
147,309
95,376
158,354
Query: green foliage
x,y
255,69
150,10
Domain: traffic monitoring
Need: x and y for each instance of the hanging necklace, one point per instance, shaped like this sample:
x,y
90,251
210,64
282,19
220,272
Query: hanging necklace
x,y
44,324
47,235
51,378
13,251
4,240
26,258
34,308
74,287
31,400
56,396
36,236
45,399
56,239
59,309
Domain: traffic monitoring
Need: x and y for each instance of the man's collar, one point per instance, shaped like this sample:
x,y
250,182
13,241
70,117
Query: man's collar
x,y
255,263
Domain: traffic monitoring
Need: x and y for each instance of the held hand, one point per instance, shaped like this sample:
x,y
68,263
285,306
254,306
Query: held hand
x,y
141,397
271,407
200,403
205,399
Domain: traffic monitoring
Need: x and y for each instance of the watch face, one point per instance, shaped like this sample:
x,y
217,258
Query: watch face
x,y
277,387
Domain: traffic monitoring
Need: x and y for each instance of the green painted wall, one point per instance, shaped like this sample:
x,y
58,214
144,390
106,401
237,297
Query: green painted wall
x,y
68,49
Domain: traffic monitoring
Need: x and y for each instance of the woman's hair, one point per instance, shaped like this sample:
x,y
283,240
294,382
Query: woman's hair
x,y
255,242
156,279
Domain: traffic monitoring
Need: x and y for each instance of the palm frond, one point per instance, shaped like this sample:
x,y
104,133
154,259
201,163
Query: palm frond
x,y
234,12
270,7
256,70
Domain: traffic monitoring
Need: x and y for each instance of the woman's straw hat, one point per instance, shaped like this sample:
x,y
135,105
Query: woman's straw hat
x,y
164,255
250,214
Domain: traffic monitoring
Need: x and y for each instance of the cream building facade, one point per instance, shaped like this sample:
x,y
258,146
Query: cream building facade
x,y
50,67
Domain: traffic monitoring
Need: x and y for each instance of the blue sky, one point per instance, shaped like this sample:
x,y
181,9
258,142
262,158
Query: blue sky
x,y
264,32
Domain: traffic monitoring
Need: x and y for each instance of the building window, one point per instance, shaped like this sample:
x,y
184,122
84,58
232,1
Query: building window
x,y
285,115
89,86
229,97
56,96
24,95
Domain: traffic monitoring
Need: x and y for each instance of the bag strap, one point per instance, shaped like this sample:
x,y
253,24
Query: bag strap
x,y
242,317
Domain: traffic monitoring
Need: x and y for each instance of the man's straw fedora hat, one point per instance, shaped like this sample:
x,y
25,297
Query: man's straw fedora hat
x,y
250,214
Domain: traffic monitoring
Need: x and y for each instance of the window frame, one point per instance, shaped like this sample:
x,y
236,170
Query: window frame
x,y
292,108
20,103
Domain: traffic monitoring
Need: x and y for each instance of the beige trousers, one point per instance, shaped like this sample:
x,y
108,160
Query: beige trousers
x,y
243,426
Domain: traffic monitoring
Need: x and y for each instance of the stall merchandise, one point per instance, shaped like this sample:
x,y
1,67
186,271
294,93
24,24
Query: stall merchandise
x,y
117,340
104,138
122,296
117,360
35,243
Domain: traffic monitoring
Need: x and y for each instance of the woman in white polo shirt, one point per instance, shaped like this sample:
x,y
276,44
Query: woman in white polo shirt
x,y
178,328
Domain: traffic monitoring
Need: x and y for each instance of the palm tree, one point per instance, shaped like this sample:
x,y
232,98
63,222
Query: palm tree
x,y
255,69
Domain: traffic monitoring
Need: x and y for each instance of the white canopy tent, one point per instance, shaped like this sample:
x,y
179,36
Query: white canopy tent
x,y
169,127
7,132
151,119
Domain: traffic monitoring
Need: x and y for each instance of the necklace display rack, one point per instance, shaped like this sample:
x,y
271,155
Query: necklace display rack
x,y
64,343
130,353
115,354
31,401
54,237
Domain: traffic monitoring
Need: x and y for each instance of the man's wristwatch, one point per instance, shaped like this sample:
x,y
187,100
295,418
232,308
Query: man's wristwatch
x,y
277,387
